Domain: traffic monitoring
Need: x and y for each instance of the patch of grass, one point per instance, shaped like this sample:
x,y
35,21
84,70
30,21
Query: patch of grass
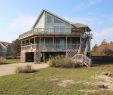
x,y
11,61
40,83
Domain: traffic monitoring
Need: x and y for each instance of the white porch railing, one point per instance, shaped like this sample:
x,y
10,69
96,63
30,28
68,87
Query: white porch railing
x,y
50,31
50,46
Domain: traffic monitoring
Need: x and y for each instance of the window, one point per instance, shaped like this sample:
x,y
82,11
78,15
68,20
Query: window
x,y
59,28
56,28
49,18
62,29
56,20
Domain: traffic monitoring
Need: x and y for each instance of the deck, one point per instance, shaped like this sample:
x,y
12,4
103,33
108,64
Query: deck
x,y
50,47
50,32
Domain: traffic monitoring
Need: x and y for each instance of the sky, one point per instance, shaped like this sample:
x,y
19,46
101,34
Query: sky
x,y
18,16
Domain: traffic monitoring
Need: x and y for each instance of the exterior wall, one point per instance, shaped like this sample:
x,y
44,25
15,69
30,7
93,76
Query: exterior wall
x,y
41,22
22,56
3,53
3,50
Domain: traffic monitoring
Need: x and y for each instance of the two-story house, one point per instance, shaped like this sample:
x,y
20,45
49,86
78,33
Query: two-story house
x,y
5,49
52,35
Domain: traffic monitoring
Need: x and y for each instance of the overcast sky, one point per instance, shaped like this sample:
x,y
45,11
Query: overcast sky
x,y
18,16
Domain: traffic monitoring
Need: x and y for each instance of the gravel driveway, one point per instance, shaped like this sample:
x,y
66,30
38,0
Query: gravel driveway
x,y
10,68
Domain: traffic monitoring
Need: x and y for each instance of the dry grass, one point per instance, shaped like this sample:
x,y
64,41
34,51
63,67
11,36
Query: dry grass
x,y
61,61
25,69
2,60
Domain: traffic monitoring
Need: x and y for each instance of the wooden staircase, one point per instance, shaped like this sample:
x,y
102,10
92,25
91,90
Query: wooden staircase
x,y
71,52
80,56
82,59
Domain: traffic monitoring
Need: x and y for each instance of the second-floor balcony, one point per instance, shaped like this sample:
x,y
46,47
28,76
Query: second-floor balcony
x,y
50,47
50,31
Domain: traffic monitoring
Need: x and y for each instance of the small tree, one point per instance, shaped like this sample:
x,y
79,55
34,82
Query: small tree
x,y
16,47
107,52
95,50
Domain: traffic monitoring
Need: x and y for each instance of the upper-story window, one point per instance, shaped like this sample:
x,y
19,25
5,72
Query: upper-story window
x,y
59,29
56,20
49,18
62,28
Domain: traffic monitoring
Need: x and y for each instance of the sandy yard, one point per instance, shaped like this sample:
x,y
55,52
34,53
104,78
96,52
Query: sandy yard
x,y
10,68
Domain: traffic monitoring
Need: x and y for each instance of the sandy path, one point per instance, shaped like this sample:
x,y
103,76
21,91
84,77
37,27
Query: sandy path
x,y
10,68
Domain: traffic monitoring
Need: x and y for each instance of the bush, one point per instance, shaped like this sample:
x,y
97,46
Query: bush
x,y
61,61
2,60
25,69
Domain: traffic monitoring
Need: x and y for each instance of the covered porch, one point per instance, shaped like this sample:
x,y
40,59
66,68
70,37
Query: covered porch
x,y
51,43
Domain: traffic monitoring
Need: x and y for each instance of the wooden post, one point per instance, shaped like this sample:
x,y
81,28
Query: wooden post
x,y
80,45
66,46
21,44
34,40
66,42
29,42
44,57
53,43
25,43
44,43
35,56
39,42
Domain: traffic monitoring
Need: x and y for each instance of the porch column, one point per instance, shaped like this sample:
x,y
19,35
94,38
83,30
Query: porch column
x,y
66,42
80,45
34,40
35,50
39,43
25,43
44,43
21,44
66,47
53,43
44,57
35,57
29,41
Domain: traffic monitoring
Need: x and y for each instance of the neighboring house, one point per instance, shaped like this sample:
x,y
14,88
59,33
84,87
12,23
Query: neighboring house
x,y
4,49
52,35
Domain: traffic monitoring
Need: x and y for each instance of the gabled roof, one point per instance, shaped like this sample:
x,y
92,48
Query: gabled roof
x,y
4,44
51,14
79,25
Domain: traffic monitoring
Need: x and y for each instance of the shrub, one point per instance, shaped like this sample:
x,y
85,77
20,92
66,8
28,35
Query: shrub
x,y
25,69
2,60
61,61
